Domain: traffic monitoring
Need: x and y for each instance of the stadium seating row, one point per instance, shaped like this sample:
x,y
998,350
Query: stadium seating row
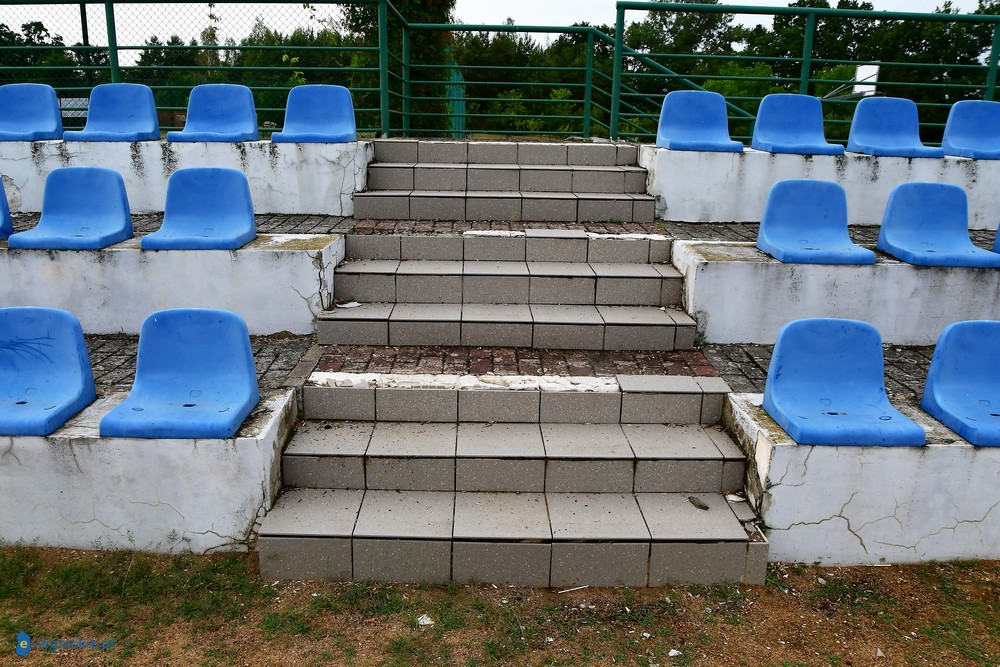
x,y
926,224
825,385
195,375
692,120
86,208
216,112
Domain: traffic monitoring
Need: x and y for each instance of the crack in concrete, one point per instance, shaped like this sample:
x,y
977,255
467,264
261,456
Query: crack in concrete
x,y
10,450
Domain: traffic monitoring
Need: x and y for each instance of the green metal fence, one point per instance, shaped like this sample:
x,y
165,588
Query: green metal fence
x,y
498,80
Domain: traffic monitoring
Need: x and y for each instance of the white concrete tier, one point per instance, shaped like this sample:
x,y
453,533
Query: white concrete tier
x,y
284,178
77,490
694,186
739,294
276,283
869,505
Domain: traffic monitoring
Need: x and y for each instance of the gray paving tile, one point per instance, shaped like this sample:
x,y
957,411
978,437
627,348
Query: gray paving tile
x,y
541,153
559,269
390,177
628,154
497,406
366,311
546,178
657,441
659,250
568,407
429,288
500,440
756,566
730,451
494,177
573,291
396,150
592,154
635,182
567,337
672,384
501,563
430,267
596,516
488,334
618,251
497,474
549,207
733,476
585,441
635,315
369,266
643,209
371,246
432,248
403,561
589,476
603,208
638,337
492,152
352,332
330,438
382,205
598,179
338,403
313,513
614,564
638,408
425,333
493,206
410,439
429,312
556,250
704,564
415,405
501,516
629,292
451,152
309,558
557,233
478,312
364,287
439,177
434,205
410,474
496,289
406,515
494,248
323,472
623,270
675,517
495,268
557,314
678,476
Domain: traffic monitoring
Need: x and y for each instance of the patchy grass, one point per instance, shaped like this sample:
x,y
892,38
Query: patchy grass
x,y
216,610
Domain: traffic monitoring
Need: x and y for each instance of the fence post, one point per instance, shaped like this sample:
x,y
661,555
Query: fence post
x,y
807,48
588,95
616,81
991,74
406,81
109,14
383,65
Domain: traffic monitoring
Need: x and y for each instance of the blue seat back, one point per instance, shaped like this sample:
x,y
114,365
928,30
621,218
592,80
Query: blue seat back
x,y
695,120
29,112
121,109
967,360
85,201
222,108
973,130
791,124
208,200
925,215
6,224
319,113
816,359
195,355
45,374
805,213
888,126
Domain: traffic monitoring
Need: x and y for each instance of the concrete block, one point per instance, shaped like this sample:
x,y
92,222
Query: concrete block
x,y
605,564
498,406
311,558
546,179
541,153
425,333
619,251
629,291
628,154
429,289
569,407
627,337
592,154
440,177
597,179
352,332
492,152
589,476
570,291
372,246
390,177
410,473
364,287
555,249
402,561
500,474
450,152
661,408
382,205
756,567
494,178
704,564
671,476
603,208
494,248
548,207
346,403
500,207
440,248
486,334
416,405
501,563
323,472
437,206
396,150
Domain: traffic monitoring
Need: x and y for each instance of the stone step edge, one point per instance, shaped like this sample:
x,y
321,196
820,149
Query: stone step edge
x,y
500,245
628,399
507,178
505,152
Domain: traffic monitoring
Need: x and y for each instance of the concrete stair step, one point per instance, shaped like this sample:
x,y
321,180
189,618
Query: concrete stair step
x,y
485,282
513,457
624,399
505,178
413,151
533,245
530,539
558,327
509,206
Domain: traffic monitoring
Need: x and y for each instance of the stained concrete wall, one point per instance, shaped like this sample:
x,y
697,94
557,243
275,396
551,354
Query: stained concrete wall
x,y
739,294
76,490
276,283
869,505
691,186
284,178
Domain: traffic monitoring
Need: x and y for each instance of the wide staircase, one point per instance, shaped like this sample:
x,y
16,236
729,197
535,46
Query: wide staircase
x,y
516,475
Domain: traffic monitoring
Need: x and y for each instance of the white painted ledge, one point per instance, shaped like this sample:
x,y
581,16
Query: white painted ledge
x,y
694,186
284,178
739,294
276,283
869,505
76,490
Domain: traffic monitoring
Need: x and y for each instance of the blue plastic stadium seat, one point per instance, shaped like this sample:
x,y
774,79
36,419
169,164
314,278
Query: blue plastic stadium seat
x,y
6,224
219,112
928,224
207,208
119,112
318,114
83,208
29,112
695,120
888,127
962,391
973,130
825,386
792,124
194,378
805,222
45,375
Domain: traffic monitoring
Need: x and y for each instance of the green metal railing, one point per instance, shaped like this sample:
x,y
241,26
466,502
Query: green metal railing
x,y
490,80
